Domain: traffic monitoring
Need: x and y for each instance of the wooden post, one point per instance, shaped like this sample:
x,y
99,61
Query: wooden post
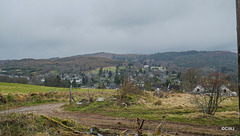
x,y
158,130
238,41
70,99
88,94
139,126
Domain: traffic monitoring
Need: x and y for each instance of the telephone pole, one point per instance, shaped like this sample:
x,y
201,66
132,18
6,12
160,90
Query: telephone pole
x,y
238,41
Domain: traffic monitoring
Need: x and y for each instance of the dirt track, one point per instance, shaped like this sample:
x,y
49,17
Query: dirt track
x,y
120,123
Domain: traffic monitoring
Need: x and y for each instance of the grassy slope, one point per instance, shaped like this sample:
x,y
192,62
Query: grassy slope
x,y
176,108
96,71
17,94
6,88
24,88
35,125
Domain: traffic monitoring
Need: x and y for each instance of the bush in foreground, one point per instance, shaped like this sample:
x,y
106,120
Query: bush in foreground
x,y
30,124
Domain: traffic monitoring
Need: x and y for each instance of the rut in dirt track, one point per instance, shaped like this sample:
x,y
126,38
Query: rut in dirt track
x,y
35,109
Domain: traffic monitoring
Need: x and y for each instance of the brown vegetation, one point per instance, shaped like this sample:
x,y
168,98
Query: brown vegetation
x,y
62,65
209,101
128,88
158,102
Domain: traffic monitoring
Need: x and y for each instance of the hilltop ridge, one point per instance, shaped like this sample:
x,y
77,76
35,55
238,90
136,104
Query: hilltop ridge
x,y
175,61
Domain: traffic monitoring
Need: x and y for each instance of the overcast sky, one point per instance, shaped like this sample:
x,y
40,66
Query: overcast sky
x,y
59,28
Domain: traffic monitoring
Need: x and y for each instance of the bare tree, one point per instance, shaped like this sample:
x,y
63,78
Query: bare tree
x,y
190,79
213,95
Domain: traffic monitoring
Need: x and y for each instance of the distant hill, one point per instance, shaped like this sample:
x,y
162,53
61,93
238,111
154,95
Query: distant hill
x,y
123,57
222,61
3,61
60,65
100,54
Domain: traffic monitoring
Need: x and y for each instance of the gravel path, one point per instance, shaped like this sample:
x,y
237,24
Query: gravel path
x,y
39,109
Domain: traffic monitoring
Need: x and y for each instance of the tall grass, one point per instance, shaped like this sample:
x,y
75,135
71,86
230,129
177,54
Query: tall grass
x,y
176,107
31,125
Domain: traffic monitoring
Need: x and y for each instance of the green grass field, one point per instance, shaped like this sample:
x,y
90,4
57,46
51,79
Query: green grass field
x,y
18,95
113,69
6,88
176,107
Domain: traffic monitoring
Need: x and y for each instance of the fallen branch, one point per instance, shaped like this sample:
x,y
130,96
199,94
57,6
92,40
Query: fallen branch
x,y
158,130
73,99
71,129
29,93
139,126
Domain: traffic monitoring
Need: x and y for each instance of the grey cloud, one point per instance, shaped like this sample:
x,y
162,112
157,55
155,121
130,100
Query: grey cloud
x,y
49,28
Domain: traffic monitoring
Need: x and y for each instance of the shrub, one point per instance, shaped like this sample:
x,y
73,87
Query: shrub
x,y
31,124
210,101
10,97
158,102
128,88
2,99
161,94
70,123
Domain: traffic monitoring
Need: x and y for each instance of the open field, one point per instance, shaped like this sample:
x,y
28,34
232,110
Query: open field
x,y
17,95
6,88
113,69
181,114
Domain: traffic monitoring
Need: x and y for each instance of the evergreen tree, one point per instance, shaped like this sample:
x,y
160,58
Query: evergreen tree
x,y
110,74
179,75
102,86
56,82
74,83
140,70
100,72
84,80
116,79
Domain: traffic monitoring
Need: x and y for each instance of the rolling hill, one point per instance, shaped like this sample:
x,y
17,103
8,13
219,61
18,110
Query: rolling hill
x,y
60,65
222,61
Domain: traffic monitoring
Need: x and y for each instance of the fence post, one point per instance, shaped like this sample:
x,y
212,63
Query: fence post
x,y
70,99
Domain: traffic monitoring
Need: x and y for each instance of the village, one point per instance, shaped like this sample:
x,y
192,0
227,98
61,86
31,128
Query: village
x,y
145,77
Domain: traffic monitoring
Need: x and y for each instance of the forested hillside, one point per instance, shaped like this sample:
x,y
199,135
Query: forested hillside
x,y
60,65
221,61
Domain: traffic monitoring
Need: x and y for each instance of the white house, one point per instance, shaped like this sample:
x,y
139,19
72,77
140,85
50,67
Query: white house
x,y
79,81
198,89
226,91
223,91
146,66
42,80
